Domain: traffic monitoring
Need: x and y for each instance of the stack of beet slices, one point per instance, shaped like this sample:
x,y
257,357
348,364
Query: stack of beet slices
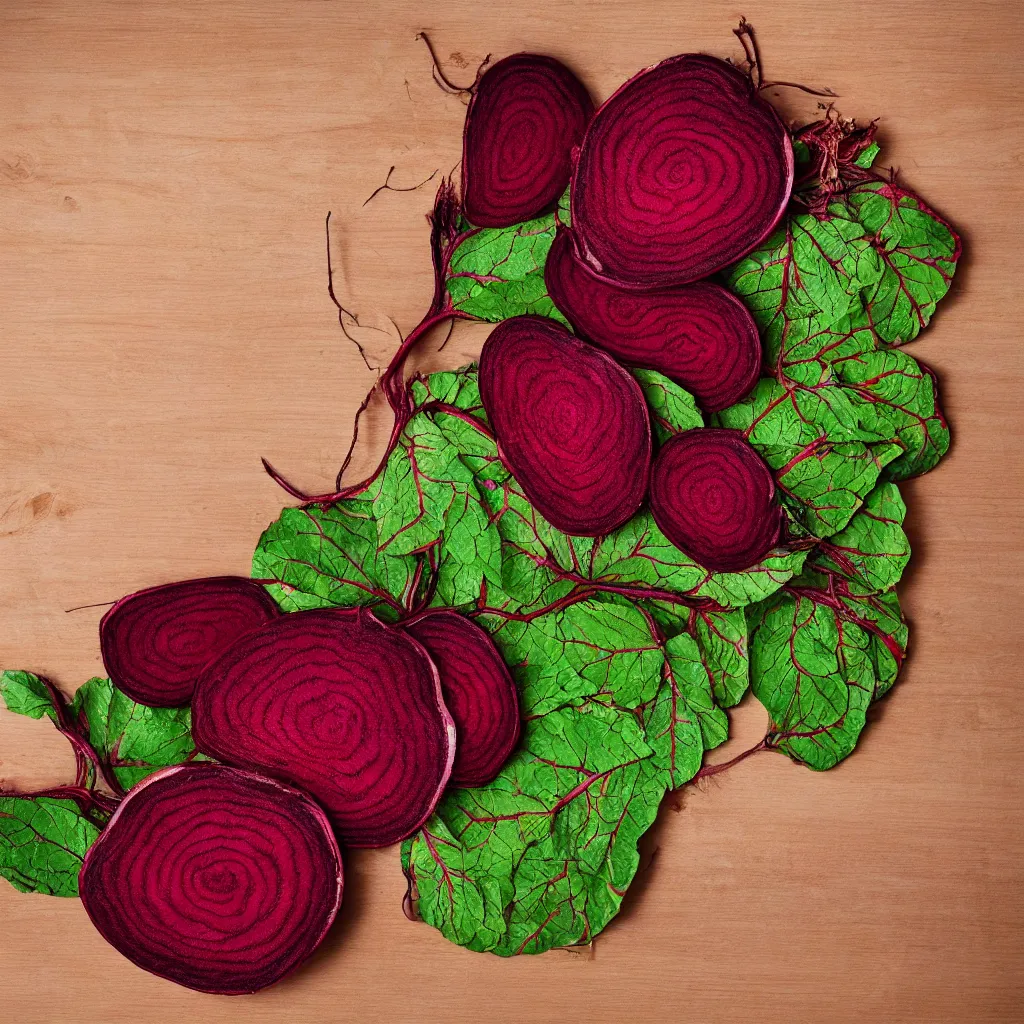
x,y
337,729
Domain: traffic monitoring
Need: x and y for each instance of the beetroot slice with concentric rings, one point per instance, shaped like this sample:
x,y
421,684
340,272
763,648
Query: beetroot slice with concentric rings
x,y
713,496
337,703
478,691
527,114
217,879
156,642
699,334
682,171
571,424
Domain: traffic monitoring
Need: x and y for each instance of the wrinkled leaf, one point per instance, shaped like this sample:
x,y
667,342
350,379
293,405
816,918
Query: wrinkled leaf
x,y
328,556
497,273
26,694
133,739
42,843
671,407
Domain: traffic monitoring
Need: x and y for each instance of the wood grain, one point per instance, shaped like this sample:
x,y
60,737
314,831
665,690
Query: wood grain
x,y
165,170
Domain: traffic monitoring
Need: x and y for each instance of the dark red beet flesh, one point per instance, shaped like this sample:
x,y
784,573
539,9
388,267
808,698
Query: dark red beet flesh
x,y
478,691
214,878
682,171
714,498
571,424
157,641
699,334
337,703
526,115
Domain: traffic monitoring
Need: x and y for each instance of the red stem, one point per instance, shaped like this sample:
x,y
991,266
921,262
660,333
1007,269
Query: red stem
x,y
714,769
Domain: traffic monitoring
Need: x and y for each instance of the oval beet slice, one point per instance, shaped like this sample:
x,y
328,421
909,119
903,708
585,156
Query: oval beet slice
x,y
571,424
682,171
478,691
157,641
340,705
214,878
526,115
714,498
699,334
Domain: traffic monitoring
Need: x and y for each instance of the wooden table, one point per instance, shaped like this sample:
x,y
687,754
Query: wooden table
x,y
165,169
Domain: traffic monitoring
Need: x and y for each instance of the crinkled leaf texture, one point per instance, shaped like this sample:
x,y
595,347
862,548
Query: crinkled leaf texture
x,y
42,844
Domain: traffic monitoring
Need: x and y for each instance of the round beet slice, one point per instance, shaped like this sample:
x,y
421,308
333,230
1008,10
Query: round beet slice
x,y
571,424
478,691
714,498
682,171
699,334
335,702
157,641
214,878
526,115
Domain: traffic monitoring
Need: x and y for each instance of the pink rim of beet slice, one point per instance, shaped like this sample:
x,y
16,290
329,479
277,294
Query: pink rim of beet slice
x,y
682,171
478,690
571,424
527,114
156,642
699,335
713,497
215,878
337,703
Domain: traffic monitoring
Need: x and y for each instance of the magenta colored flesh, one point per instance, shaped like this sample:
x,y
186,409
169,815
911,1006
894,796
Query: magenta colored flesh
x,y
682,171
479,693
699,334
571,424
157,641
214,878
340,705
527,114
714,498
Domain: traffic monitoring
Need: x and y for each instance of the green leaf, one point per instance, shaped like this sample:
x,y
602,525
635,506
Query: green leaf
x,y
26,694
917,253
872,551
588,649
328,557
896,397
876,264
42,843
542,856
684,721
866,157
133,739
722,639
672,408
497,273
824,462
426,493
817,660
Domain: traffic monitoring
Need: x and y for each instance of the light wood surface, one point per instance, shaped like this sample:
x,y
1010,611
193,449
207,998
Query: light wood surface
x,y
165,170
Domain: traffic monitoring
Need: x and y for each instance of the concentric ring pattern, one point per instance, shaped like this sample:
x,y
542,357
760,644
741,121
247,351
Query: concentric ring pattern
x,y
682,171
340,705
214,878
571,424
525,117
698,334
478,690
157,641
714,498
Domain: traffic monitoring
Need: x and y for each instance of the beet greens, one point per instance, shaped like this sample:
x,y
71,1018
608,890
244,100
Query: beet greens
x,y
655,493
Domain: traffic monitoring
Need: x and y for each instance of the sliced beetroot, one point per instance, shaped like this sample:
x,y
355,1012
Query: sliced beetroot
x,y
157,641
526,115
337,703
478,691
700,335
214,878
571,424
682,171
714,498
